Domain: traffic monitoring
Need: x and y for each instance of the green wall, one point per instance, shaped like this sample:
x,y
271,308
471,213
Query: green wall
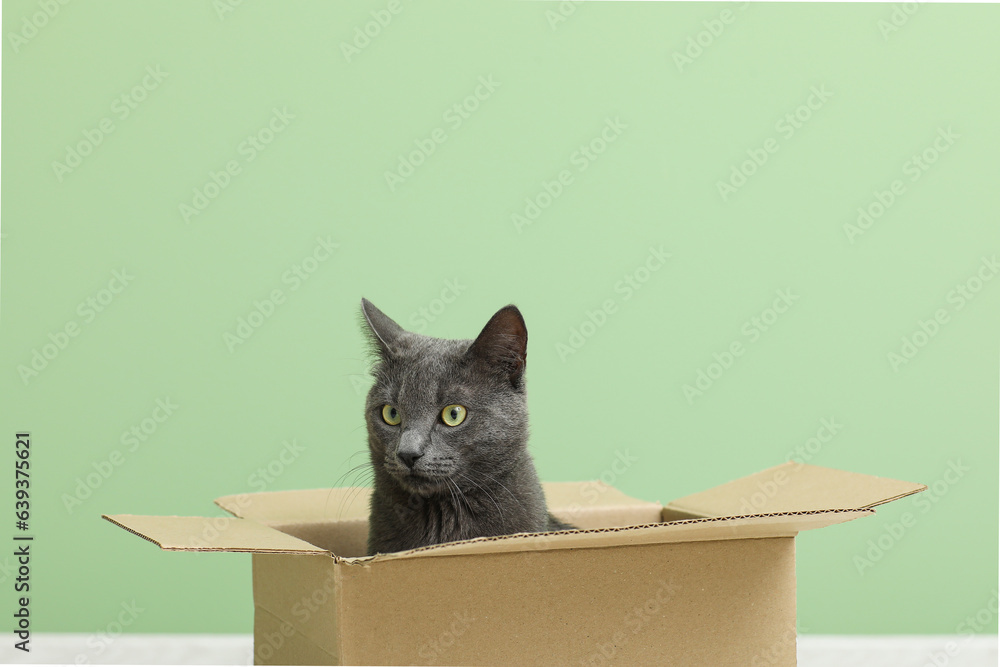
x,y
620,132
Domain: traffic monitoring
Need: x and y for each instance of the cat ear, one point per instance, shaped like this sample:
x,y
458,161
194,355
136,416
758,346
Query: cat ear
x,y
383,332
503,343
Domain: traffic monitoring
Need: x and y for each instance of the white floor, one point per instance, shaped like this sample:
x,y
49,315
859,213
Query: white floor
x,y
814,651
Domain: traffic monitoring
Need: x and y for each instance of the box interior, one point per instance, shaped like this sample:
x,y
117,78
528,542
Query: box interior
x,y
336,520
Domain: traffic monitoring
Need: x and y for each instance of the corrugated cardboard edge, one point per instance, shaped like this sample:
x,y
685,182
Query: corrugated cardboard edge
x,y
338,578
292,544
224,503
794,486
741,527
920,489
134,532
778,524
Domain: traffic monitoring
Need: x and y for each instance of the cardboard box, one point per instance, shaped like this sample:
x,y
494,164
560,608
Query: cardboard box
x,y
708,579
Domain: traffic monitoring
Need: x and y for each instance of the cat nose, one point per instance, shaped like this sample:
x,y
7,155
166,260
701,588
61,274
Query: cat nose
x,y
411,448
409,458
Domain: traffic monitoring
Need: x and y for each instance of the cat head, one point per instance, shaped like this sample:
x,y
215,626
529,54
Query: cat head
x,y
446,412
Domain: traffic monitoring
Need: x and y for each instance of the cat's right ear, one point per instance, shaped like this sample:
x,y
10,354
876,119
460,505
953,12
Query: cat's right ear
x,y
382,330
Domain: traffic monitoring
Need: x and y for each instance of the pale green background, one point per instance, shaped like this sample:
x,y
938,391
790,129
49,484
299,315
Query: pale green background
x,y
301,375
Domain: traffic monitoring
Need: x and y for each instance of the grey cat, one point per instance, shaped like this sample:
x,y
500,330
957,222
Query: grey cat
x,y
448,434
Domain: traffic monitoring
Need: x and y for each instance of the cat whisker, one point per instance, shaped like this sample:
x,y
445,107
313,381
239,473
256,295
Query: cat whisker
x,y
352,476
359,471
461,499
488,495
454,499
349,499
355,469
501,484
326,503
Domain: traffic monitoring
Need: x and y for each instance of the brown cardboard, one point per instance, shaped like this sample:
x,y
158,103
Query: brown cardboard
x,y
193,533
795,487
708,579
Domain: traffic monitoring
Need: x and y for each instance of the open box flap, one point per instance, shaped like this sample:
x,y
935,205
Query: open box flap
x,y
584,504
318,506
786,524
597,505
195,533
795,487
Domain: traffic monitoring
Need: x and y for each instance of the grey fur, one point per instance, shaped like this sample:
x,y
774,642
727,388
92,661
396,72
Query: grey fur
x,y
471,480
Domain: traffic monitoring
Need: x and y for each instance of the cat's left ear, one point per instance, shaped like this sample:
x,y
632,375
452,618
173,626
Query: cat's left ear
x,y
503,343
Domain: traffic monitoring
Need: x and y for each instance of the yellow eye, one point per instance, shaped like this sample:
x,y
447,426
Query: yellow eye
x,y
453,415
391,415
